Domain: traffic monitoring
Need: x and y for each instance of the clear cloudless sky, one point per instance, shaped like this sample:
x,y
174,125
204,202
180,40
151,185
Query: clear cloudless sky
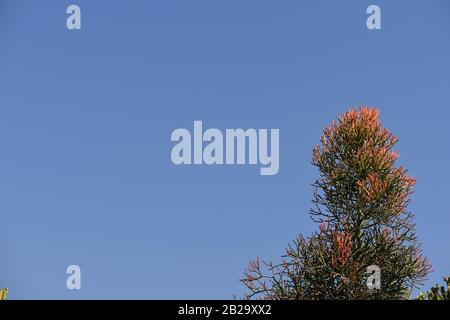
x,y
86,117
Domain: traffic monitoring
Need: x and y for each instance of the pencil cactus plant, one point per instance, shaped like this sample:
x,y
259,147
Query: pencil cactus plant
x,y
360,203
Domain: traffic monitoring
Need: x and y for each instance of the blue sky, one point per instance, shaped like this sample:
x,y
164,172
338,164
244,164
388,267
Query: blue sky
x,y
86,118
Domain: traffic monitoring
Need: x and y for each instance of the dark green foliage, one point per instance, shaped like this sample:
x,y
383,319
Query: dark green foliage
x,y
437,292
